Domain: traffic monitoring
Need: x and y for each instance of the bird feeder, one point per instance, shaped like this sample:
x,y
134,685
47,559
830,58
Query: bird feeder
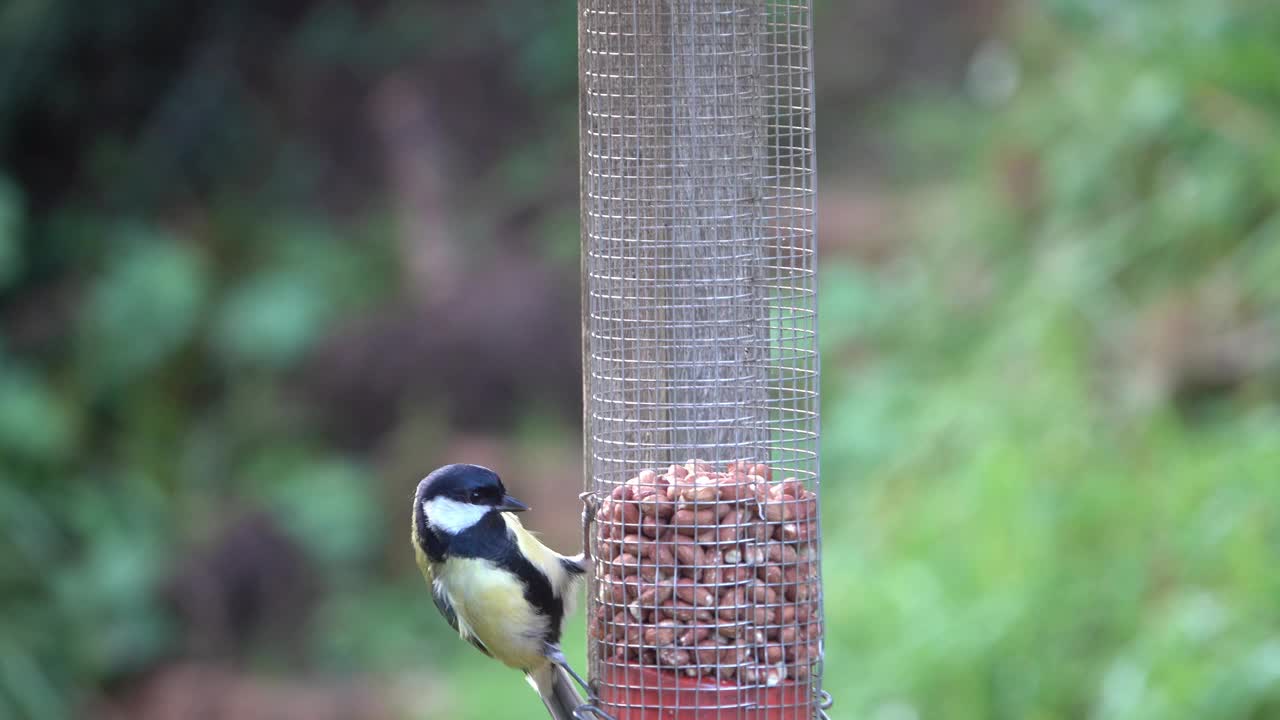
x,y
700,359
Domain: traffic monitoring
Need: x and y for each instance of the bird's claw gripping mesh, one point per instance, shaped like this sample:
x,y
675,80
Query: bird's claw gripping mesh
x,y
590,505
700,341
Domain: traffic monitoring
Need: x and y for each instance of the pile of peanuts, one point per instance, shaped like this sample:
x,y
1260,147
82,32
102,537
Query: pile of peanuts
x,y
708,573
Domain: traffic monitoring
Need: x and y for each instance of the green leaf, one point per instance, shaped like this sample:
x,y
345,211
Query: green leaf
x,y
34,424
327,504
141,310
270,320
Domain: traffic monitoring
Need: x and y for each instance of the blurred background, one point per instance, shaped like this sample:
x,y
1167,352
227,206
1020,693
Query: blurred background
x,y
264,264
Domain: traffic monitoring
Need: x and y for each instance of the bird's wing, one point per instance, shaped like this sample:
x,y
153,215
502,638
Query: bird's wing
x,y
443,604
575,564
445,607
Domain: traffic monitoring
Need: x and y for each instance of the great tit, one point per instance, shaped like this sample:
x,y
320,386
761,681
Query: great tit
x,y
497,585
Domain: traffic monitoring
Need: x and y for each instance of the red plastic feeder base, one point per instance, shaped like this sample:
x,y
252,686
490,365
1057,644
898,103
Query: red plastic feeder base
x,y
645,693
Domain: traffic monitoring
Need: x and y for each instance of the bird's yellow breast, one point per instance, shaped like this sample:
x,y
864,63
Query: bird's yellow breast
x,y
490,605
546,560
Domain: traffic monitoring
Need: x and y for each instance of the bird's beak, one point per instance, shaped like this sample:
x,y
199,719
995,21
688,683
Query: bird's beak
x,y
510,504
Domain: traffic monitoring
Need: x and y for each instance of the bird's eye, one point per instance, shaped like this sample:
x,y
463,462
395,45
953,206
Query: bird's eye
x,y
477,496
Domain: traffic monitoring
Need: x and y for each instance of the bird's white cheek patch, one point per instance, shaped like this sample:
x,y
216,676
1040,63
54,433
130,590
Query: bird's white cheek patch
x,y
452,516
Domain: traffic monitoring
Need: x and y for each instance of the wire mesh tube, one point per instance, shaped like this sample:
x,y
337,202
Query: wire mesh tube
x,y
701,363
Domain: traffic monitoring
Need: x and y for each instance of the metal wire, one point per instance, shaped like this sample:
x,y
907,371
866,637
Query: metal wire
x,y
700,342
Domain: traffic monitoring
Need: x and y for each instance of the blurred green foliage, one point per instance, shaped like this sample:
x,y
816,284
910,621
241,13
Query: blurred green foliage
x,y
1051,438
1040,512
192,201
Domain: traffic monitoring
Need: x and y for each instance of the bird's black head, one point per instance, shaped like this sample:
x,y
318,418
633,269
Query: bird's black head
x,y
453,498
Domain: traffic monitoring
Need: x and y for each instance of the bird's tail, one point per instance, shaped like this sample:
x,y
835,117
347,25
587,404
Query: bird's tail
x,y
557,689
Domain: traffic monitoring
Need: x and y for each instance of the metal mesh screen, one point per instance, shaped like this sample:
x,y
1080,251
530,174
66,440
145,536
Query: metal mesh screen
x,y
701,357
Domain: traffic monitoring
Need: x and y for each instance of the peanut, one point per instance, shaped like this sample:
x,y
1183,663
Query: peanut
x,y
687,553
741,632
683,612
726,574
732,602
614,531
797,532
645,484
664,633
650,599
657,553
652,573
763,616
737,489
688,591
606,549
623,630
693,518
640,493
617,518
768,675
762,594
789,614
657,505
704,491
716,655
635,545
804,653
709,536
618,592
795,588
781,553
771,574
693,635
619,566
600,625
650,528
732,630
673,657
789,634
778,509
792,487
733,527
806,507
760,532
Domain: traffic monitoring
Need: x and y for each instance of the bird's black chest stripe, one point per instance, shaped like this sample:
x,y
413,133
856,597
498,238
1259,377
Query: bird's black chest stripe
x,y
491,539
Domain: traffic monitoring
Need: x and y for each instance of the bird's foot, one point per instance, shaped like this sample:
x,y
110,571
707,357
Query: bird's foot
x,y
556,656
